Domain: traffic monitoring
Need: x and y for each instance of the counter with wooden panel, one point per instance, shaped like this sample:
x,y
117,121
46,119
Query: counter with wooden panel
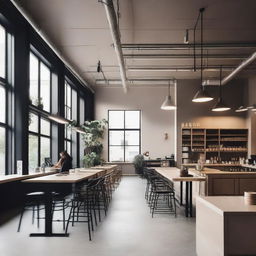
x,y
224,183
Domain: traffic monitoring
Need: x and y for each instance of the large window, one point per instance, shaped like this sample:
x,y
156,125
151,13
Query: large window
x,y
5,100
70,114
123,135
39,141
40,83
39,126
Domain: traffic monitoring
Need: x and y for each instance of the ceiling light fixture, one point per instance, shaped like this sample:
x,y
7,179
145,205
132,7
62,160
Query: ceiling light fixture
x,y
202,95
241,109
168,104
186,37
252,107
220,106
79,130
99,70
58,119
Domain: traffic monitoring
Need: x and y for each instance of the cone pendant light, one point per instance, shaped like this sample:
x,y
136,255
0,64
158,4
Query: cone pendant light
x,y
202,95
220,105
168,104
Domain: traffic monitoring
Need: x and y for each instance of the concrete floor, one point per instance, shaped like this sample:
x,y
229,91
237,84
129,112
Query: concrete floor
x,y
128,230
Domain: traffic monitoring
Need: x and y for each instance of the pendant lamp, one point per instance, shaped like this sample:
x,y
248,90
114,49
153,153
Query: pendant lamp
x,y
168,104
220,105
202,95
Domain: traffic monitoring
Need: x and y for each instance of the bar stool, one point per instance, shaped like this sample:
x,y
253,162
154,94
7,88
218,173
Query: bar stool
x,y
32,200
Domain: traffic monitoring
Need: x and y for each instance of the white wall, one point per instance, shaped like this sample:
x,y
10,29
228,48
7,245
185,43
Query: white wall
x,y
155,122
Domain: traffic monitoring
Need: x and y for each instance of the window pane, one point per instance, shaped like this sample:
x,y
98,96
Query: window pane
x,y
45,86
68,102
2,51
116,153
116,138
132,119
45,149
45,127
132,138
131,152
33,122
68,133
2,151
3,104
116,119
33,152
82,111
68,147
33,77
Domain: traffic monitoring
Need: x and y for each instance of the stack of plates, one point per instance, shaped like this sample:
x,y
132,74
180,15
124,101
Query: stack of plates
x,y
250,198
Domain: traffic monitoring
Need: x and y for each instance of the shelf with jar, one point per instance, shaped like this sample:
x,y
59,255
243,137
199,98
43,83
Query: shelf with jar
x,y
228,143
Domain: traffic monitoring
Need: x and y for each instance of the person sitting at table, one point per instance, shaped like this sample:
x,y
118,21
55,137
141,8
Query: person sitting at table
x,y
65,162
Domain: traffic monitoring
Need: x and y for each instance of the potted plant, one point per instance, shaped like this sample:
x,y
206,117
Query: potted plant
x,y
39,103
138,163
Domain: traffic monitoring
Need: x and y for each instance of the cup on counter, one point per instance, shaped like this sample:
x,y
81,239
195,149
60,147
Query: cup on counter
x,y
71,171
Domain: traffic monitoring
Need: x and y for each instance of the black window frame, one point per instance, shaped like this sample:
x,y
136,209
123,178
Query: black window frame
x,y
6,83
42,114
39,135
72,88
124,130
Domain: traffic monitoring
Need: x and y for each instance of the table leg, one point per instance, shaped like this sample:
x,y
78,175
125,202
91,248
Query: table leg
x,y
186,205
181,193
190,200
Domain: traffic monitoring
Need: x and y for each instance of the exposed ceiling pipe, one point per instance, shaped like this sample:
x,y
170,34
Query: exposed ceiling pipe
x,y
183,56
244,64
112,20
50,44
187,46
177,69
136,81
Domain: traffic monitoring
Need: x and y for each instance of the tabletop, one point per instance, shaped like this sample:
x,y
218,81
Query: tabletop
x,y
173,174
18,177
62,178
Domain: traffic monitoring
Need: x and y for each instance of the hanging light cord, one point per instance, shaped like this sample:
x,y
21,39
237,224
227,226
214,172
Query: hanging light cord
x,y
194,33
201,12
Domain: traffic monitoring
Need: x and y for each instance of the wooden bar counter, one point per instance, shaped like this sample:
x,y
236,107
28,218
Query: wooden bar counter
x,y
225,226
224,183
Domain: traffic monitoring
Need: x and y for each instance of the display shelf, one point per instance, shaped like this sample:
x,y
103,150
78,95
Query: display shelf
x,y
222,143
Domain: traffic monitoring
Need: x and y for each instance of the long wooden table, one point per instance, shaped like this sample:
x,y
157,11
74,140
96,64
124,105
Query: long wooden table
x,y
19,177
172,174
49,184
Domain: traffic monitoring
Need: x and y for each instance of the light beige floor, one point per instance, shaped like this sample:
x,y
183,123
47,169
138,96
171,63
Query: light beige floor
x,y
128,230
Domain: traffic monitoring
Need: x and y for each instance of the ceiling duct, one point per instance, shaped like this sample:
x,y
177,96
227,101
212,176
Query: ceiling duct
x,y
113,25
240,67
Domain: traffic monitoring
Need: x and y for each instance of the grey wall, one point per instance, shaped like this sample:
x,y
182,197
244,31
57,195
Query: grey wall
x,y
155,122
188,111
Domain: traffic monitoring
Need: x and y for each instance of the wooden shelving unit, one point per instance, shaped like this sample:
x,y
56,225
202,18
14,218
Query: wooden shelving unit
x,y
218,145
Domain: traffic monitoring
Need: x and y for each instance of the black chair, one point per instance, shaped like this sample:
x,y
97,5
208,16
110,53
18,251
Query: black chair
x,y
163,197
32,202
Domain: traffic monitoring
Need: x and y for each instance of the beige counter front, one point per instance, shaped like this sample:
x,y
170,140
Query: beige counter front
x,y
225,226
